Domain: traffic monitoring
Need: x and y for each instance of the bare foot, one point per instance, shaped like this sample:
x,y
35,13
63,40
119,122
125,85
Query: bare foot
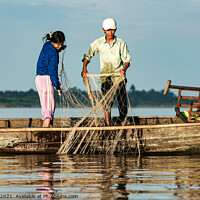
x,y
46,122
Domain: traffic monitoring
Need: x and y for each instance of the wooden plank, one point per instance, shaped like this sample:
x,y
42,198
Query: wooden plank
x,y
198,101
100,128
190,97
70,122
185,105
185,88
179,114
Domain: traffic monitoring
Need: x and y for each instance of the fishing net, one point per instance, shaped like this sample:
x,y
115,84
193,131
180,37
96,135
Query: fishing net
x,y
91,106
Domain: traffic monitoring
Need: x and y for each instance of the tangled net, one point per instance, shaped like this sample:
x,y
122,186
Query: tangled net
x,y
91,141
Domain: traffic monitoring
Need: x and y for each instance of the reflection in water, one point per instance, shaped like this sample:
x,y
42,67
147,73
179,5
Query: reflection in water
x,y
100,176
46,188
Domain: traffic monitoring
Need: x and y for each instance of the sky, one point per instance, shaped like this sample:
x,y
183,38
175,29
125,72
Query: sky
x,y
163,37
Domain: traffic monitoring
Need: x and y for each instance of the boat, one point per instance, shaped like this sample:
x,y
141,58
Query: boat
x,y
140,135
147,135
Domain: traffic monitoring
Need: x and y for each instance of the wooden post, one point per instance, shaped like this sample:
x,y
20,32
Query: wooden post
x,y
190,111
7,124
179,99
167,87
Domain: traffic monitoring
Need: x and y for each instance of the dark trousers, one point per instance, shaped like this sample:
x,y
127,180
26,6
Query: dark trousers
x,y
120,95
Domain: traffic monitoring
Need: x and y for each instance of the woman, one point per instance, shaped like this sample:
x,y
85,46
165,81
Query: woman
x,y
47,74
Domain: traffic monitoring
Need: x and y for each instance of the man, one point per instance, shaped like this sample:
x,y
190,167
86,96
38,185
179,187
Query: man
x,y
114,57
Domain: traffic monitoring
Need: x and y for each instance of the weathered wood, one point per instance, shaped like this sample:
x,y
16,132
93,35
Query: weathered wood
x,y
70,122
179,99
7,123
190,105
99,128
190,97
155,135
186,88
180,115
191,112
184,105
158,140
167,87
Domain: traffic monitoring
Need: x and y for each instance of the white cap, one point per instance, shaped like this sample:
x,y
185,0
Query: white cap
x,y
109,23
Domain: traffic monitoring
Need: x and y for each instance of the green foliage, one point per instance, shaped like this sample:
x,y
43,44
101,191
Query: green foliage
x,y
19,99
137,98
151,98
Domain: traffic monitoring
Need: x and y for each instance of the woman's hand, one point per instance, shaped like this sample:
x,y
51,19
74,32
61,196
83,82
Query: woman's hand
x,y
59,92
64,47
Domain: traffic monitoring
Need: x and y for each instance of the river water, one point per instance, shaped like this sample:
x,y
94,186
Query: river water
x,y
102,177
74,112
99,177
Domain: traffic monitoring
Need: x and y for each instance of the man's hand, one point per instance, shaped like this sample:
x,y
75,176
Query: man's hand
x,y
122,72
83,74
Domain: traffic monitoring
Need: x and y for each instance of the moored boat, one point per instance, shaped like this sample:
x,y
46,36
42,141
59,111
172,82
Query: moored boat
x,y
145,135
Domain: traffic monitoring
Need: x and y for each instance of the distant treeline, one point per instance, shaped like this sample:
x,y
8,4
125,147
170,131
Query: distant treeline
x,y
137,98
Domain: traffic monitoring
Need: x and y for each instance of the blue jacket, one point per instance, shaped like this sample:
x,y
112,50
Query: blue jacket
x,y
48,63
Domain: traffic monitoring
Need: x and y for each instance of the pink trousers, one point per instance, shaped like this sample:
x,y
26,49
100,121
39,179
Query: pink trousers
x,y
46,94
